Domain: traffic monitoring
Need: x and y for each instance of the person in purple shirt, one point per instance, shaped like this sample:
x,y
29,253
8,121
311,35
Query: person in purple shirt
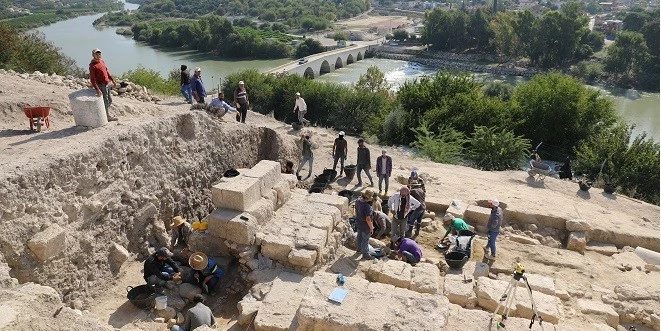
x,y
407,250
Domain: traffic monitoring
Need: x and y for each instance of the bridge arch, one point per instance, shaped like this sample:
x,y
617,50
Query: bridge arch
x,y
338,63
350,59
309,73
325,68
359,57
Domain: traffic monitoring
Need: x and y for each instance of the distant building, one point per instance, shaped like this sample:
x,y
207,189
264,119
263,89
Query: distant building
x,y
612,27
606,6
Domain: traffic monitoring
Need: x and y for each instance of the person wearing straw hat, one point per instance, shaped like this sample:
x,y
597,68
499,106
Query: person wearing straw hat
x,y
493,228
180,233
302,109
453,224
206,272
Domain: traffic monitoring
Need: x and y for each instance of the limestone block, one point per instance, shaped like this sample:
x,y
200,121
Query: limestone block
x,y
425,278
279,307
628,259
336,201
562,294
647,255
523,239
477,215
601,248
436,204
597,308
489,292
233,225
291,179
284,192
479,320
547,306
457,208
387,307
277,247
238,194
88,109
247,310
577,225
266,172
314,209
310,238
458,291
627,292
302,257
188,291
262,210
118,255
540,283
481,270
48,243
576,242
167,313
391,272
324,222
208,244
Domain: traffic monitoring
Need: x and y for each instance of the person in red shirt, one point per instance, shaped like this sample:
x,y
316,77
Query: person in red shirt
x,y
100,79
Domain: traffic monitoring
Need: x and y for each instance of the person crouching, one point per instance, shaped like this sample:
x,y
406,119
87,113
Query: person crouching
x,y
407,250
159,268
206,273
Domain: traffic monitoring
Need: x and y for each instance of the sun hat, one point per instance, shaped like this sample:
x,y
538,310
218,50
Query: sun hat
x,y
367,193
163,251
341,133
198,261
494,202
241,82
177,221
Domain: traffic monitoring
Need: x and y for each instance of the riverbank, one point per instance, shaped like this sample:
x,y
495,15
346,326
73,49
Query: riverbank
x,y
44,17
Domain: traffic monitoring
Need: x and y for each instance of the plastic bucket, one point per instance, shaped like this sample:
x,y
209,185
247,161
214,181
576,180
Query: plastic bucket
x,y
349,171
161,302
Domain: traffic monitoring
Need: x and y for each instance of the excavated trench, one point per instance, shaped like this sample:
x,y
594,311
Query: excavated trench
x,y
60,222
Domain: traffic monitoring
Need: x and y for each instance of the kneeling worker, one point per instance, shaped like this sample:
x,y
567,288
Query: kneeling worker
x,y
454,225
159,269
206,273
199,315
407,250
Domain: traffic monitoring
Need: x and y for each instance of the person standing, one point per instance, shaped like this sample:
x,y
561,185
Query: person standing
x,y
493,228
415,217
364,225
241,101
306,156
100,78
186,89
181,231
302,109
400,205
384,169
199,315
199,92
339,151
363,162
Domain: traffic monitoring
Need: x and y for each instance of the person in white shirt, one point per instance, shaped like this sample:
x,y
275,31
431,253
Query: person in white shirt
x,y
400,205
219,107
302,109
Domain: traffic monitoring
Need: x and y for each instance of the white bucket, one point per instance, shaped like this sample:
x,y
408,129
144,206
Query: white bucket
x,y
161,302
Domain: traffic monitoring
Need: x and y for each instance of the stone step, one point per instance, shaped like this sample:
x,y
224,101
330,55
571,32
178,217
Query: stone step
x,y
423,278
279,307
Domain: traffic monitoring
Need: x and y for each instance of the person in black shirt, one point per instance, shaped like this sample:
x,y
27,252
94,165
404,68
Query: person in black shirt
x,y
339,151
160,268
186,88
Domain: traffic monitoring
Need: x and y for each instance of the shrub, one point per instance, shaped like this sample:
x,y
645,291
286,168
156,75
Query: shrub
x,y
153,80
491,149
500,90
588,71
396,127
444,147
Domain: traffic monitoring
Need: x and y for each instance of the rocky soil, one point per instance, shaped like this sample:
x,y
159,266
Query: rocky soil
x,y
76,203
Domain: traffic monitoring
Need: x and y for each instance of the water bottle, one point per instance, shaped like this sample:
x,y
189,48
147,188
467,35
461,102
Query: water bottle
x,y
340,279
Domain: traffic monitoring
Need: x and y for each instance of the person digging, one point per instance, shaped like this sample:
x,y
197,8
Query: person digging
x,y
160,269
454,225
206,273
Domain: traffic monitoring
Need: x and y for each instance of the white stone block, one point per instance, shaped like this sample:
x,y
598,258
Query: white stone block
x,y
262,210
118,255
336,201
291,179
266,172
284,192
233,225
48,243
459,291
302,257
277,247
310,238
601,248
391,272
425,278
278,310
597,308
247,310
237,194
88,109
481,270
476,215
521,239
576,242
576,225
208,244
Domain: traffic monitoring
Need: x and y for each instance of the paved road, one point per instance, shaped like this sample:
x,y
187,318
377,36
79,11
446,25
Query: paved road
x,y
291,65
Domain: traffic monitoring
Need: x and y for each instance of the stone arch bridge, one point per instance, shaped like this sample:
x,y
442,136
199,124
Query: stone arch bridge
x,y
323,63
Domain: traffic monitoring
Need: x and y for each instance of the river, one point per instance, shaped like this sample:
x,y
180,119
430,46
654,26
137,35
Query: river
x,y
77,37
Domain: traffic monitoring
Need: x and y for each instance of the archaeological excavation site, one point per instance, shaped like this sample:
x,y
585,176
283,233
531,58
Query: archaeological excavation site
x,y
82,208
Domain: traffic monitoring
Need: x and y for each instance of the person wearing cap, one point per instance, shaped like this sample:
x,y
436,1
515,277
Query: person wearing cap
x,y
384,169
363,162
306,156
206,273
197,316
100,78
180,232
415,217
493,228
219,107
302,109
159,268
340,151
415,180
454,225
401,204
407,250
197,85
241,100
364,225
186,89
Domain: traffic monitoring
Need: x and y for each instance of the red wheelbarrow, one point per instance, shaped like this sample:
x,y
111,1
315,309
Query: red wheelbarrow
x,y
37,116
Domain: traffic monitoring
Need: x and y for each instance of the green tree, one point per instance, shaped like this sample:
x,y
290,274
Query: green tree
x,y
504,39
445,147
340,36
309,46
374,80
493,149
634,21
479,30
400,34
627,55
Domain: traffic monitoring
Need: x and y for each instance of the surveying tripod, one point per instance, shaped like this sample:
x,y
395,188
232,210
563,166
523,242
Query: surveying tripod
x,y
507,299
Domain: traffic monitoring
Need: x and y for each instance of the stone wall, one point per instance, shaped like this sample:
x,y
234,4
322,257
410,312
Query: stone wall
x,y
61,221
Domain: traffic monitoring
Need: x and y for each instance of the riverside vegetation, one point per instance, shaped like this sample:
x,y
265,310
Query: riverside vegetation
x,y
449,118
48,12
